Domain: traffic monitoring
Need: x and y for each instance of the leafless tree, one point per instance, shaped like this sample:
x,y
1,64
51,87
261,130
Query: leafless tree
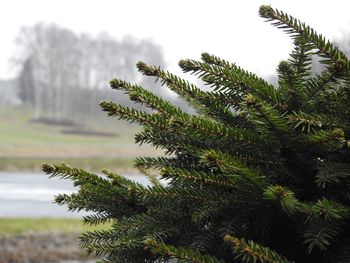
x,y
64,74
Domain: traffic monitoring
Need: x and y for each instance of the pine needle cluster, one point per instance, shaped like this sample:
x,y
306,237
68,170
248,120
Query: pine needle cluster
x,y
259,174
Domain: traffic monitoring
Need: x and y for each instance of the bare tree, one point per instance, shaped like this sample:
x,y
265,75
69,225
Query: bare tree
x,y
64,74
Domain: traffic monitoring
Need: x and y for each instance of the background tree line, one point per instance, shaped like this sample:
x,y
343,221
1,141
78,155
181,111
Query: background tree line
x,y
64,75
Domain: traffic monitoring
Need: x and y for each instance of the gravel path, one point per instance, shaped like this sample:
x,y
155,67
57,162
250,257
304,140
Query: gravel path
x,y
42,248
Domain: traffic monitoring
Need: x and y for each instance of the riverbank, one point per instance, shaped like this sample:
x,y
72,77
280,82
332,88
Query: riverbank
x,y
22,226
42,248
43,240
93,164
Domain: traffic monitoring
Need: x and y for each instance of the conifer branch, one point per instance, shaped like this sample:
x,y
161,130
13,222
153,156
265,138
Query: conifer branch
x,y
227,164
132,115
307,122
253,252
301,57
178,254
79,176
210,178
232,81
142,96
324,140
283,197
331,173
188,91
271,116
214,60
172,193
330,210
294,27
162,162
97,219
291,87
319,83
205,102
320,235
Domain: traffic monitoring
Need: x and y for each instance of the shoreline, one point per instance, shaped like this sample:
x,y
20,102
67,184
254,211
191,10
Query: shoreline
x,y
36,247
93,164
44,240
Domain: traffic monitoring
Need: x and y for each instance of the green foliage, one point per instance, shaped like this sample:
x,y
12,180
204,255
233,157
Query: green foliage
x,y
283,198
258,174
248,251
178,254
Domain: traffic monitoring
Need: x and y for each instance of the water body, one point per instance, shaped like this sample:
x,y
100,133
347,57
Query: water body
x,y
32,194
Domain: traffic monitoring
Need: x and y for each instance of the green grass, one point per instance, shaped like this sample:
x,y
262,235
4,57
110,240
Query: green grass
x,y
25,145
17,226
16,130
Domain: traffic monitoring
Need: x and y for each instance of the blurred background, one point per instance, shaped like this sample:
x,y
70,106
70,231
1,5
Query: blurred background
x,y
56,59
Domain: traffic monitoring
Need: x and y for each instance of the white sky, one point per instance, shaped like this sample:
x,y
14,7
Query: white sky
x,y
231,29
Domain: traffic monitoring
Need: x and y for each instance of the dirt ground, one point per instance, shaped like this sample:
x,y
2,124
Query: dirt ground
x,y
42,248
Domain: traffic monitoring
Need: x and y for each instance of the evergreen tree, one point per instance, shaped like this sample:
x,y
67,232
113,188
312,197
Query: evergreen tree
x,y
260,174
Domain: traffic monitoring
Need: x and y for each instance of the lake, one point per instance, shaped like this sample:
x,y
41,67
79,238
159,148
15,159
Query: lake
x,y
31,194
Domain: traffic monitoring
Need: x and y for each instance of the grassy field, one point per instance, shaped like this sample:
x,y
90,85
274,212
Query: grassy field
x,y
25,145
18,226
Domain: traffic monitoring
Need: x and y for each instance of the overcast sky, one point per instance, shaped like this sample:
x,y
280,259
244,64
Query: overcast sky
x,y
228,28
